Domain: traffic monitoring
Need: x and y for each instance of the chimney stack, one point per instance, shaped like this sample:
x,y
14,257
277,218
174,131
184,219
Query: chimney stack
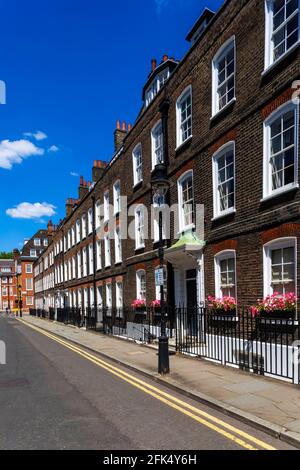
x,y
69,207
119,135
50,227
83,189
98,170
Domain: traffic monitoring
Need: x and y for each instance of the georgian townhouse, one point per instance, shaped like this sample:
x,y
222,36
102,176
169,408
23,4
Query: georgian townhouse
x,y
8,284
31,251
225,122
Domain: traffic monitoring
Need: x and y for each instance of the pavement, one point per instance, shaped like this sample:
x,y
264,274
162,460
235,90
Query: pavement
x,y
269,405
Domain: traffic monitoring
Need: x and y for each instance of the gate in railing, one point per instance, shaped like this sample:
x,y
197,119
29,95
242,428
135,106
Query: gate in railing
x,y
263,345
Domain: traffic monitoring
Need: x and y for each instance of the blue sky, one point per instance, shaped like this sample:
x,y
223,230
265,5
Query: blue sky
x,y
72,68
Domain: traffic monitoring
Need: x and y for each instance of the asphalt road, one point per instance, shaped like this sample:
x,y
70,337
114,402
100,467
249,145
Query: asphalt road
x,y
54,397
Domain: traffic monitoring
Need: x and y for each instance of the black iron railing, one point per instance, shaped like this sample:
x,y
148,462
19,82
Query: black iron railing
x,y
261,344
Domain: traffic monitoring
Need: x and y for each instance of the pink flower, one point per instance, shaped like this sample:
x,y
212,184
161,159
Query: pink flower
x,y
275,302
138,303
155,304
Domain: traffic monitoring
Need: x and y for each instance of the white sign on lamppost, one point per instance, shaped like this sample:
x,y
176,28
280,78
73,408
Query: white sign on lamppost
x,y
159,277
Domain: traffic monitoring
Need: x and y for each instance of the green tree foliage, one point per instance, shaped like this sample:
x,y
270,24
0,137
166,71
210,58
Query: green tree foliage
x,y
4,255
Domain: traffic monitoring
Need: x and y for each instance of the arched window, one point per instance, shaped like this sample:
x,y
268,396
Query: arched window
x,y
224,180
137,159
186,201
141,284
280,266
225,274
282,28
224,68
157,144
184,116
281,150
139,228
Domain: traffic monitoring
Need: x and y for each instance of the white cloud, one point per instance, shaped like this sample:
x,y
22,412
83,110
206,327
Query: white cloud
x,y
53,149
160,4
73,173
12,152
29,211
38,135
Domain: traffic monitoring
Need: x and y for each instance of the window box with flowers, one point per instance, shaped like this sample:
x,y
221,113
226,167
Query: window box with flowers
x,y
276,306
223,307
140,306
155,308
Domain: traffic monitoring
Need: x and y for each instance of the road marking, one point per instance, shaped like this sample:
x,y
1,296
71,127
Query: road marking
x,y
173,402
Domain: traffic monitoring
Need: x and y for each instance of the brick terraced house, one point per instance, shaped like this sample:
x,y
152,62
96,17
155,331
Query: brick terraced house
x,y
225,122
31,251
8,284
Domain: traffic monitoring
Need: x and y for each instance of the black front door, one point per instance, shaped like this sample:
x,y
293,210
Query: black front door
x,y
191,297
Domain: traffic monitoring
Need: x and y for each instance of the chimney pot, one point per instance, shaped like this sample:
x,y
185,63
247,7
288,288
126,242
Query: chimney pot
x,y
124,126
129,127
118,124
81,181
165,58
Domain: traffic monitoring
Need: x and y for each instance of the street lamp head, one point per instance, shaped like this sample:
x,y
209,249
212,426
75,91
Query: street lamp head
x,y
159,180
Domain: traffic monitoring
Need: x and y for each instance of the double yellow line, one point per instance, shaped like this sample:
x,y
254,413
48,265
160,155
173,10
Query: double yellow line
x,y
226,430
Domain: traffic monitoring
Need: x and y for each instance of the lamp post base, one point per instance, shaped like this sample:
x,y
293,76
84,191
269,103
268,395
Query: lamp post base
x,y
163,356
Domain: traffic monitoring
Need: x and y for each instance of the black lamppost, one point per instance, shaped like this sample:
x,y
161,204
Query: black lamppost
x,y
160,187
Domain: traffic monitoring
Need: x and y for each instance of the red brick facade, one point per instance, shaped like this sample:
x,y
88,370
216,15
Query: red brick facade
x,y
254,222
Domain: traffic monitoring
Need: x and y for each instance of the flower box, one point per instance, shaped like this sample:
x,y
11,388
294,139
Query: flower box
x,y
276,307
278,315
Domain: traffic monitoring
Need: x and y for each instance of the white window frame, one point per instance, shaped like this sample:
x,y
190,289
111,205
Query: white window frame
x,y
267,171
277,244
119,295
79,265
216,196
137,168
91,259
90,220
157,133
269,46
118,246
139,274
98,214
106,206
107,251
223,255
28,268
37,242
117,197
108,291
83,225
73,235
182,98
33,255
84,261
139,227
99,255
29,281
182,227
78,231
223,51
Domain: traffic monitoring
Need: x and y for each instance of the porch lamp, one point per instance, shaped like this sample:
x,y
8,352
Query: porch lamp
x,y
160,186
